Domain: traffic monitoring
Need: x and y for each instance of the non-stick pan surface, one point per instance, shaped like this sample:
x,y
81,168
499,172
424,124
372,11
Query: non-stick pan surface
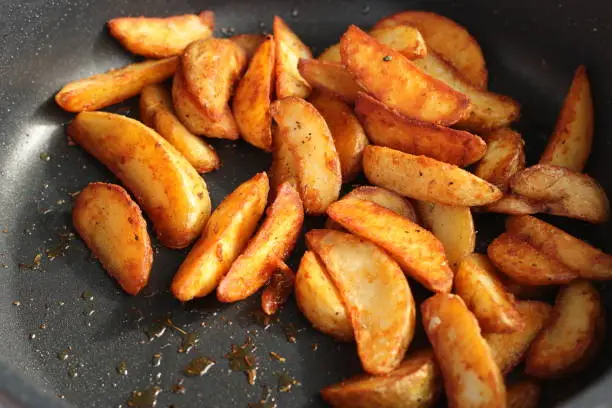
x,y
531,47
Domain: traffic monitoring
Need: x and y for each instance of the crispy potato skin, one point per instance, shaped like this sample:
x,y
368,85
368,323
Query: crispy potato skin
x,y
416,383
225,236
284,165
396,81
278,290
524,394
171,192
112,226
471,376
249,43
289,49
331,77
272,243
161,37
570,144
426,179
331,54
504,158
114,86
403,38
387,127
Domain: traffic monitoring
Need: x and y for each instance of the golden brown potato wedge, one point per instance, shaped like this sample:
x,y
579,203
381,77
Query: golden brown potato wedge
x,y
402,38
271,244
565,192
570,144
426,179
376,295
387,127
419,253
289,50
509,349
102,90
284,165
523,263
171,192
449,39
396,81
331,77
589,262
278,290
310,142
516,204
416,383
249,43
111,224
156,111
452,225
225,236
161,37
524,394
572,337
251,104
471,376
319,300
484,294
349,137
504,158
331,54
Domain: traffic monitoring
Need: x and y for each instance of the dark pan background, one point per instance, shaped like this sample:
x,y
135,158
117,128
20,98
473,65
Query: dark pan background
x,y
531,47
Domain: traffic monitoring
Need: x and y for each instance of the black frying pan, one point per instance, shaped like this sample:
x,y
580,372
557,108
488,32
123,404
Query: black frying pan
x,y
531,47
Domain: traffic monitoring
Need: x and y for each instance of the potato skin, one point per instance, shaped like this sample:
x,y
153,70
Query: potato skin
x,y
504,158
289,49
249,43
524,394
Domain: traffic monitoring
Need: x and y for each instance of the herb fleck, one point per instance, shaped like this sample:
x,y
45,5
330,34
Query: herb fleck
x,y
387,58
277,357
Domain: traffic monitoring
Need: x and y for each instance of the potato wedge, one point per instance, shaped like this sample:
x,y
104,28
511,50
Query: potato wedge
x,y
284,164
570,144
471,377
289,50
524,394
319,300
426,179
396,81
589,262
416,383
572,337
349,137
386,127
208,81
565,192
402,38
171,192
448,38
331,54
516,204
331,77
376,295
111,224
225,236
161,37
251,104
509,349
271,244
310,141
523,263
484,294
114,86
249,43
452,225
418,251
156,111
278,290
504,158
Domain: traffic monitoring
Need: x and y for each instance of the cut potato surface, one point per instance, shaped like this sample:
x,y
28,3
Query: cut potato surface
x,y
278,290
504,158
331,77
249,43
289,50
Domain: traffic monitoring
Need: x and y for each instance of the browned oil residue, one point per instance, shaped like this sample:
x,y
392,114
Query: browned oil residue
x,y
155,330
198,366
34,265
61,248
189,340
156,360
241,358
262,319
266,400
277,357
178,388
122,368
146,398
290,333
286,382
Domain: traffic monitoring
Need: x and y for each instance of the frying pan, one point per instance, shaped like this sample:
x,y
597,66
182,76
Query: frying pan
x,y
69,304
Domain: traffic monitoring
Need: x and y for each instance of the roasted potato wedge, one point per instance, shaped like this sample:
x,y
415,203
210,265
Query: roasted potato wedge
x,y
449,39
161,37
331,77
349,137
310,142
278,290
387,127
271,244
471,376
171,192
515,204
111,224
251,103
249,43
504,158
524,394
284,164
319,300
114,86
426,179
418,251
572,337
484,294
289,50
331,54
589,262
509,349
452,225
156,111
416,383
392,78
570,144
225,236
376,295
